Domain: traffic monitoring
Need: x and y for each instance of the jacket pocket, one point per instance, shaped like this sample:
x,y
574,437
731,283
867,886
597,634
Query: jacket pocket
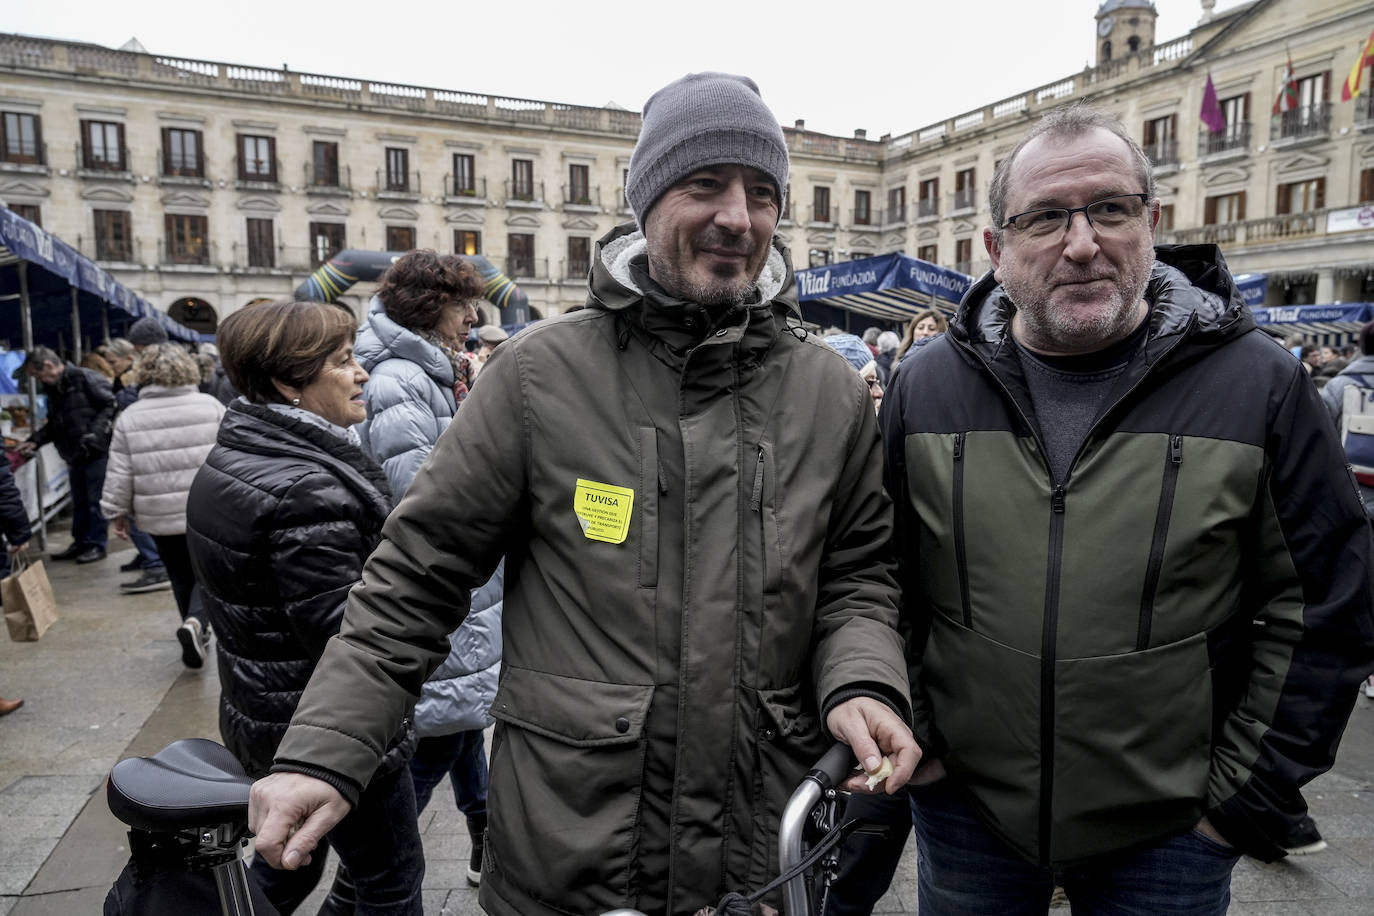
x,y
566,781
1172,463
763,501
650,486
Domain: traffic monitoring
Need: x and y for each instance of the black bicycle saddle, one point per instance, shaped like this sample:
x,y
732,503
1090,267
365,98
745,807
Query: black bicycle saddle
x,y
189,783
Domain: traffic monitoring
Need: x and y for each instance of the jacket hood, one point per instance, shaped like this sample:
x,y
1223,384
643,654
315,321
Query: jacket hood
x,y
260,430
382,338
613,286
1190,292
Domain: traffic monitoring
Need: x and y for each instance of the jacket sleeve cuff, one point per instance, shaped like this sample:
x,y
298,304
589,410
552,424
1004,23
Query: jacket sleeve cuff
x,y
875,691
349,789
1238,830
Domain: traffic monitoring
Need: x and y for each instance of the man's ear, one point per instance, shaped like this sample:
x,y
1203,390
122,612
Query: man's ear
x,y
994,247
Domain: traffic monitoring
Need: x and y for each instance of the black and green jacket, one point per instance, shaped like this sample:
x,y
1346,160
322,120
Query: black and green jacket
x,y
1178,627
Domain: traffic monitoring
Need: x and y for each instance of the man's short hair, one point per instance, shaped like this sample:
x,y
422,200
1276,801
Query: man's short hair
x,y
120,348
36,357
1367,339
288,340
1065,122
870,335
417,287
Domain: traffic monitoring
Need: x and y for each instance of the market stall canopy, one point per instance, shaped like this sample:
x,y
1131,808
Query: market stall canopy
x,y
54,270
890,287
1328,325
1254,287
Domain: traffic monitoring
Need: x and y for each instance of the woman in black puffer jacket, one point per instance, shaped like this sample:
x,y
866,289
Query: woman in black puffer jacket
x,y
279,521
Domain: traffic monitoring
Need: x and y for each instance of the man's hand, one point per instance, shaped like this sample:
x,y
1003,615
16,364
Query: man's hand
x,y
19,548
120,524
26,448
1205,828
872,729
291,813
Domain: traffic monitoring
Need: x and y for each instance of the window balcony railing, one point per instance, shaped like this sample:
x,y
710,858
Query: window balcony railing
x,y
862,217
171,168
250,257
99,160
258,173
523,192
1234,138
964,267
25,154
200,252
825,214
578,196
965,200
1364,110
894,216
786,216
522,268
1163,152
1254,231
576,270
122,251
336,179
474,188
622,205
1309,121
407,183
927,207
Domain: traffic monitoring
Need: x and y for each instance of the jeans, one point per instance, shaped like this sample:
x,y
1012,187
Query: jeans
x,y
176,556
143,542
964,869
462,757
378,841
89,528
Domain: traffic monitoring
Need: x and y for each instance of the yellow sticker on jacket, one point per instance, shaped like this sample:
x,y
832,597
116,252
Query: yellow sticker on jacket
x,y
603,510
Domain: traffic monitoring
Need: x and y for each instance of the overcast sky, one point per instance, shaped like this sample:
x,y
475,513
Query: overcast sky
x,y
890,67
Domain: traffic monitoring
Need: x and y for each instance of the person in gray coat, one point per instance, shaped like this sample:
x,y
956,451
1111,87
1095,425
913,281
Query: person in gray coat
x,y
412,345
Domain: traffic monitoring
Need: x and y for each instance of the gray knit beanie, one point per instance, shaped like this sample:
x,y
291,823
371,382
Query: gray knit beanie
x,y
703,119
146,332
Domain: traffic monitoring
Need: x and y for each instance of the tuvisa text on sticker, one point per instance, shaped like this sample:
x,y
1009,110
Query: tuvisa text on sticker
x,y
603,510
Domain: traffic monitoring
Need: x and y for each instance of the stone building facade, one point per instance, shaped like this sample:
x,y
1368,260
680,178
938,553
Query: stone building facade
x,y
206,185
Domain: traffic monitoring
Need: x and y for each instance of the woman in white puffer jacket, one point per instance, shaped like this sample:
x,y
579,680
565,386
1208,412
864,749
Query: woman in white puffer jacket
x,y
159,443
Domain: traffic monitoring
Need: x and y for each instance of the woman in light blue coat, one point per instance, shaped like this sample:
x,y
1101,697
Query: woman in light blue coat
x,y
412,346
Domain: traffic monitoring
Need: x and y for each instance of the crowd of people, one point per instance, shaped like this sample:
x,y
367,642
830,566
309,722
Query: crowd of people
x,y
1050,567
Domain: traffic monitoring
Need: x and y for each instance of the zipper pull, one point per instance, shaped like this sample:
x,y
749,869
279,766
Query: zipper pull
x,y
1057,500
756,500
662,481
1176,449
958,446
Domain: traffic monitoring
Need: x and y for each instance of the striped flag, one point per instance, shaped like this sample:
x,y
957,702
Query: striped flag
x,y
1354,82
1288,94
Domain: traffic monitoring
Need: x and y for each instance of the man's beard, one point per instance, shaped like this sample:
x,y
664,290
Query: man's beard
x,y
720,292
1048,326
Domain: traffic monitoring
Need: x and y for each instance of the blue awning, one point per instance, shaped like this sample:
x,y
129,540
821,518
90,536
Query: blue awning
x,y
55,268
1336,323
890,287
1254,287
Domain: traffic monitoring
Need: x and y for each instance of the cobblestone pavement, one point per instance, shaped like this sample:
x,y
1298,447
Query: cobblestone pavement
x,y
107,682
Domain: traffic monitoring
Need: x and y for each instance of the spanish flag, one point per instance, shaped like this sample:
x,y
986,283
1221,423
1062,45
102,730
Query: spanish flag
x,y
1354,82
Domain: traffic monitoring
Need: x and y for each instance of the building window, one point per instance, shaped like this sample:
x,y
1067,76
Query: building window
x,y
963,255
1161,140
863,211
29,212
930,197
929,253
464,175
1133,44
257,158
820,206
819,257
1366,185
397,169
1301,196
964,198
466,241
21,138
326,240
1235,110
261,249
786,205
579,184
1166,219
624,184
520,254
113,238
896,205
1312,116
579,257
1224,208
325,164
400,238
187,240
522,179
181,153
103,149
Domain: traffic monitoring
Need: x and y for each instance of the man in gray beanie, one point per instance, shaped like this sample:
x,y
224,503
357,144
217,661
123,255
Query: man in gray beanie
x,y
700,593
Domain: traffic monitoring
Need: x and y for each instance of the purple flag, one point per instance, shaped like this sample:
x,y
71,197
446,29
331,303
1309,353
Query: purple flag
x,y
1211,113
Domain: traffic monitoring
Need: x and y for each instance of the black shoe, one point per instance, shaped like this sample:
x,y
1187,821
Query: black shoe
x,y
71,553
133,565
152,580
90,555
192,641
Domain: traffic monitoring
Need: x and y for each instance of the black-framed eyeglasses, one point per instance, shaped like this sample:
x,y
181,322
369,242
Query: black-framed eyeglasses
x,y
1108,215
873,383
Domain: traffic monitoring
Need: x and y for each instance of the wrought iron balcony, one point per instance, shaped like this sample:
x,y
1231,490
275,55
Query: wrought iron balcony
x,y
472,187
523,192
1163,153
1234,138
1306,122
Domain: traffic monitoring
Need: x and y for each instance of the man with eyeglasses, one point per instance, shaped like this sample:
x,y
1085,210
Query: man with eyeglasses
x,y
1135,570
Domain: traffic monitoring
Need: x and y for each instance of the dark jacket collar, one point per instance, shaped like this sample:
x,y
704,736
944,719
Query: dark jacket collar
x,y
262,431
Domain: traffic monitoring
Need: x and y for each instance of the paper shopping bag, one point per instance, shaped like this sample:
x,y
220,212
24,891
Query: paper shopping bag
x,y
27,596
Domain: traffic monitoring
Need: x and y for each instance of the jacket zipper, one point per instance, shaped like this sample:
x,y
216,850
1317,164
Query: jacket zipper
x,y
960,557
1157,542
1048,650
756,499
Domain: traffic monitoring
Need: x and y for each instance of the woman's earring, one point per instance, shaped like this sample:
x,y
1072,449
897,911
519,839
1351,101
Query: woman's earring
x,y
295,402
